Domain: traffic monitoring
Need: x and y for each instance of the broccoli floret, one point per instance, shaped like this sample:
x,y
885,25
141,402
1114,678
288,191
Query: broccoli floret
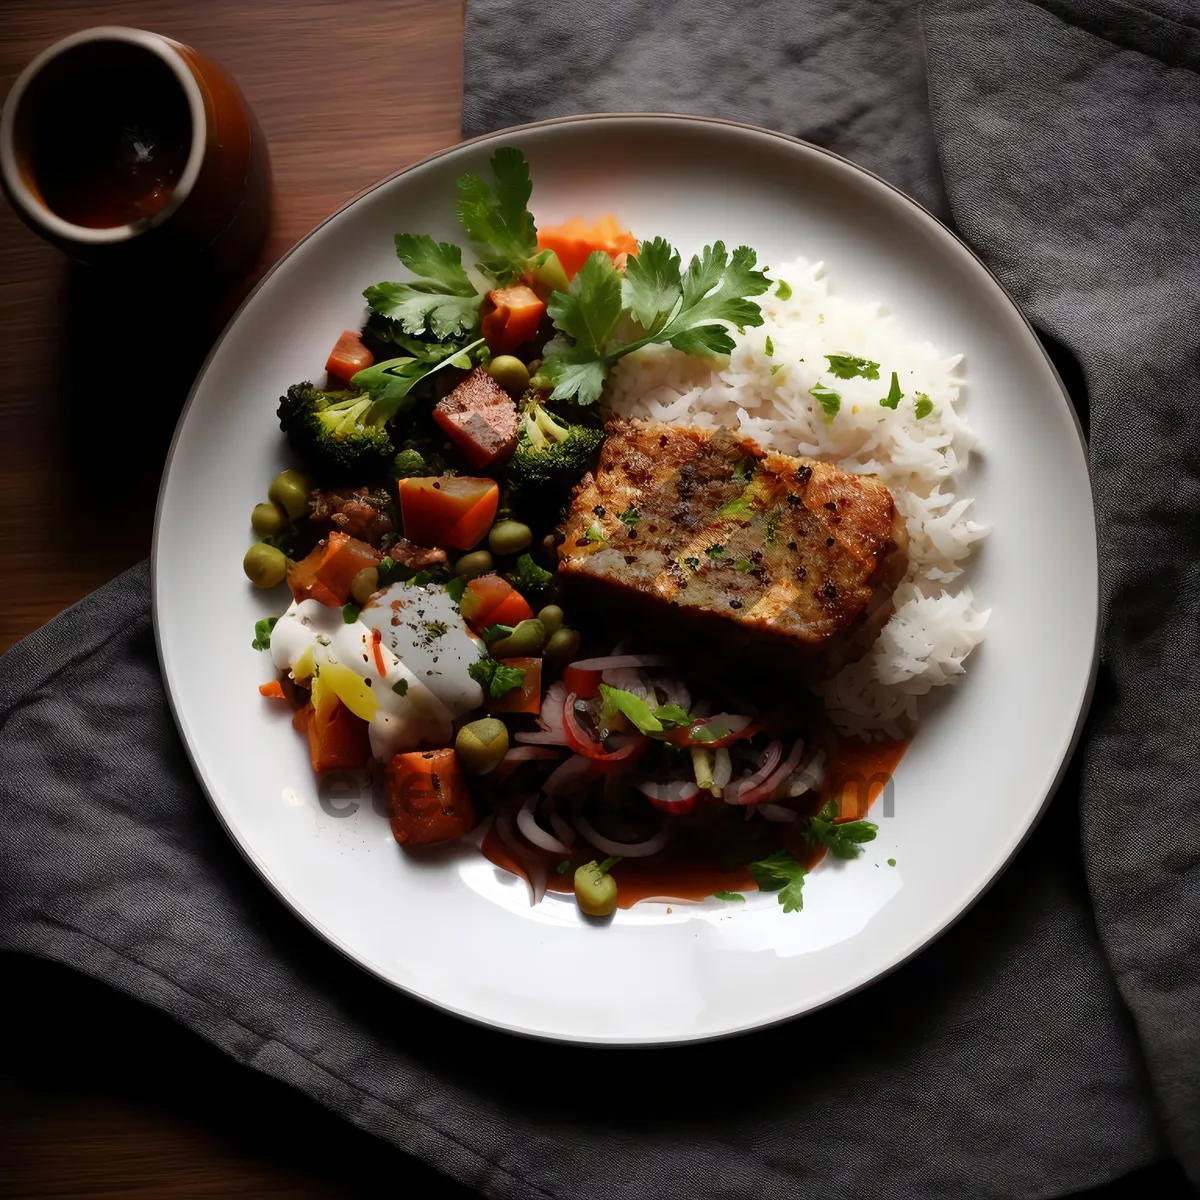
x,y
409,464
550,459
528,578
335,433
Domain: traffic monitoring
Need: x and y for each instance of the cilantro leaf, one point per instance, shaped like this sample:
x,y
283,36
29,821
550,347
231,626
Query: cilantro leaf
x,y
617,700
498,220
829,400
843,838
780,872
574,372
350,613
740,508
442,300
894,396
728,896
847,366
923,406
390,382
630,517
495,678
262,633
589,312
653,284
784,290
715,550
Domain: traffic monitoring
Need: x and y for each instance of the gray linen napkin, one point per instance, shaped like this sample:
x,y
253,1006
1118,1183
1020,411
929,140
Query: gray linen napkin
x,y
1002,1062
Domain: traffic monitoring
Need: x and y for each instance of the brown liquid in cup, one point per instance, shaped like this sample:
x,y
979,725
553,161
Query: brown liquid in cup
x,y
111,136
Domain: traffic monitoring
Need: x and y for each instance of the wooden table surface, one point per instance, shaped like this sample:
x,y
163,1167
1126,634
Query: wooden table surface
x,y
97,1095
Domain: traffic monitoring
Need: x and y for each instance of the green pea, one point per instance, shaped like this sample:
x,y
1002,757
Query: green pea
x,y
552,618
525,641
289,489
471,566
268,519
480,745
264,565
595,890
562,646
510,537
364,585
510,373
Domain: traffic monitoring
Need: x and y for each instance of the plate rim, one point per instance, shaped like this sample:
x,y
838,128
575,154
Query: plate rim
x,y
310,920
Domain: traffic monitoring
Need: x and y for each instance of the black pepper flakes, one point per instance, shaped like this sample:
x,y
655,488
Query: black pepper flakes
x,y
829,591
801,572
792,545
829,504
599,510
735,604
836,520
829,541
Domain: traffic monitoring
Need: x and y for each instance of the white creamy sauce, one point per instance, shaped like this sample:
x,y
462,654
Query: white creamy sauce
x,y
424,646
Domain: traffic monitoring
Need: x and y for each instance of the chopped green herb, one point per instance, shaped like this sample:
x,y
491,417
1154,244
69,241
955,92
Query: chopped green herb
x,y
455,588
607,865
495,678
769,347
436,629
386,566
494,633
692,563
420,579
744,565
780,872
784,290
740,508
829,400
728,896
350,613
891,862
777,368
617,700
820,318
715,550
745,469
847,366
843,838
400,687
771,524
563,867
595,533
262,633
672,714
923,406
895,395
630,517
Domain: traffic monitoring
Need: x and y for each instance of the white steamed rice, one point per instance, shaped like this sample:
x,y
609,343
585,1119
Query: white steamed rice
x,y
935,625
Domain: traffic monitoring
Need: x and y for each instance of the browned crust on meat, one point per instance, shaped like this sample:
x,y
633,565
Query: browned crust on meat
x,y
792,568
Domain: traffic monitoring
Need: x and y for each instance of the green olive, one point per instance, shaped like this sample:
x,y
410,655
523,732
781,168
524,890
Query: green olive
x,y
552,618
264,565
471,566
481,745
563,645
364,585
268,519
595,890
510,537
510,373
289,489
525,641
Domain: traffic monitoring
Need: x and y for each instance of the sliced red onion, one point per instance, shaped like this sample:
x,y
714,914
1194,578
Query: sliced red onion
x,y
776,812
540,737
626,849
811,777
535,873
474,837
562,830
668,900
550,719
722,770
772,783
629,679
518,754
675,692
747,784
527,824
567,774
615,662
669,791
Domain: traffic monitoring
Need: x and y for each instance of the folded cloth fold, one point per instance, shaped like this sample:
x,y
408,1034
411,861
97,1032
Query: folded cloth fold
x,y
1003,1061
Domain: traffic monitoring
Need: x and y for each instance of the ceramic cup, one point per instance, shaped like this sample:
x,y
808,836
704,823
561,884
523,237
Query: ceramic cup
x,y
191,188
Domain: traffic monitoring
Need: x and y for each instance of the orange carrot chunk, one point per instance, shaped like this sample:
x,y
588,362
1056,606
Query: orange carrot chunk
x,y
427,798
327,573
512,318
349,356
490,600
337,739
573,241
448,510
272,690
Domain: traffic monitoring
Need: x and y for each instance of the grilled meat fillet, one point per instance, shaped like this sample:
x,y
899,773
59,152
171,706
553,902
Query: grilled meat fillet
x,y
697,542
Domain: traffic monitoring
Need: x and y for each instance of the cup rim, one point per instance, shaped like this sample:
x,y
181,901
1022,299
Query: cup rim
x,y
36,209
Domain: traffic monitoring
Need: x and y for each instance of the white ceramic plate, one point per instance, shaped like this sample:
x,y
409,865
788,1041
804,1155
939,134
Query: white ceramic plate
x,y
455,931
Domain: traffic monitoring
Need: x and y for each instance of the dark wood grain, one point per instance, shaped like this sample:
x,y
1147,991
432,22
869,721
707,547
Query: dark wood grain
x,y
106,1098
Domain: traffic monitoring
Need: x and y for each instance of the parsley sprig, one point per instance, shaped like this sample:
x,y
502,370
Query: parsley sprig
x,y
780,872
690,310
844,839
